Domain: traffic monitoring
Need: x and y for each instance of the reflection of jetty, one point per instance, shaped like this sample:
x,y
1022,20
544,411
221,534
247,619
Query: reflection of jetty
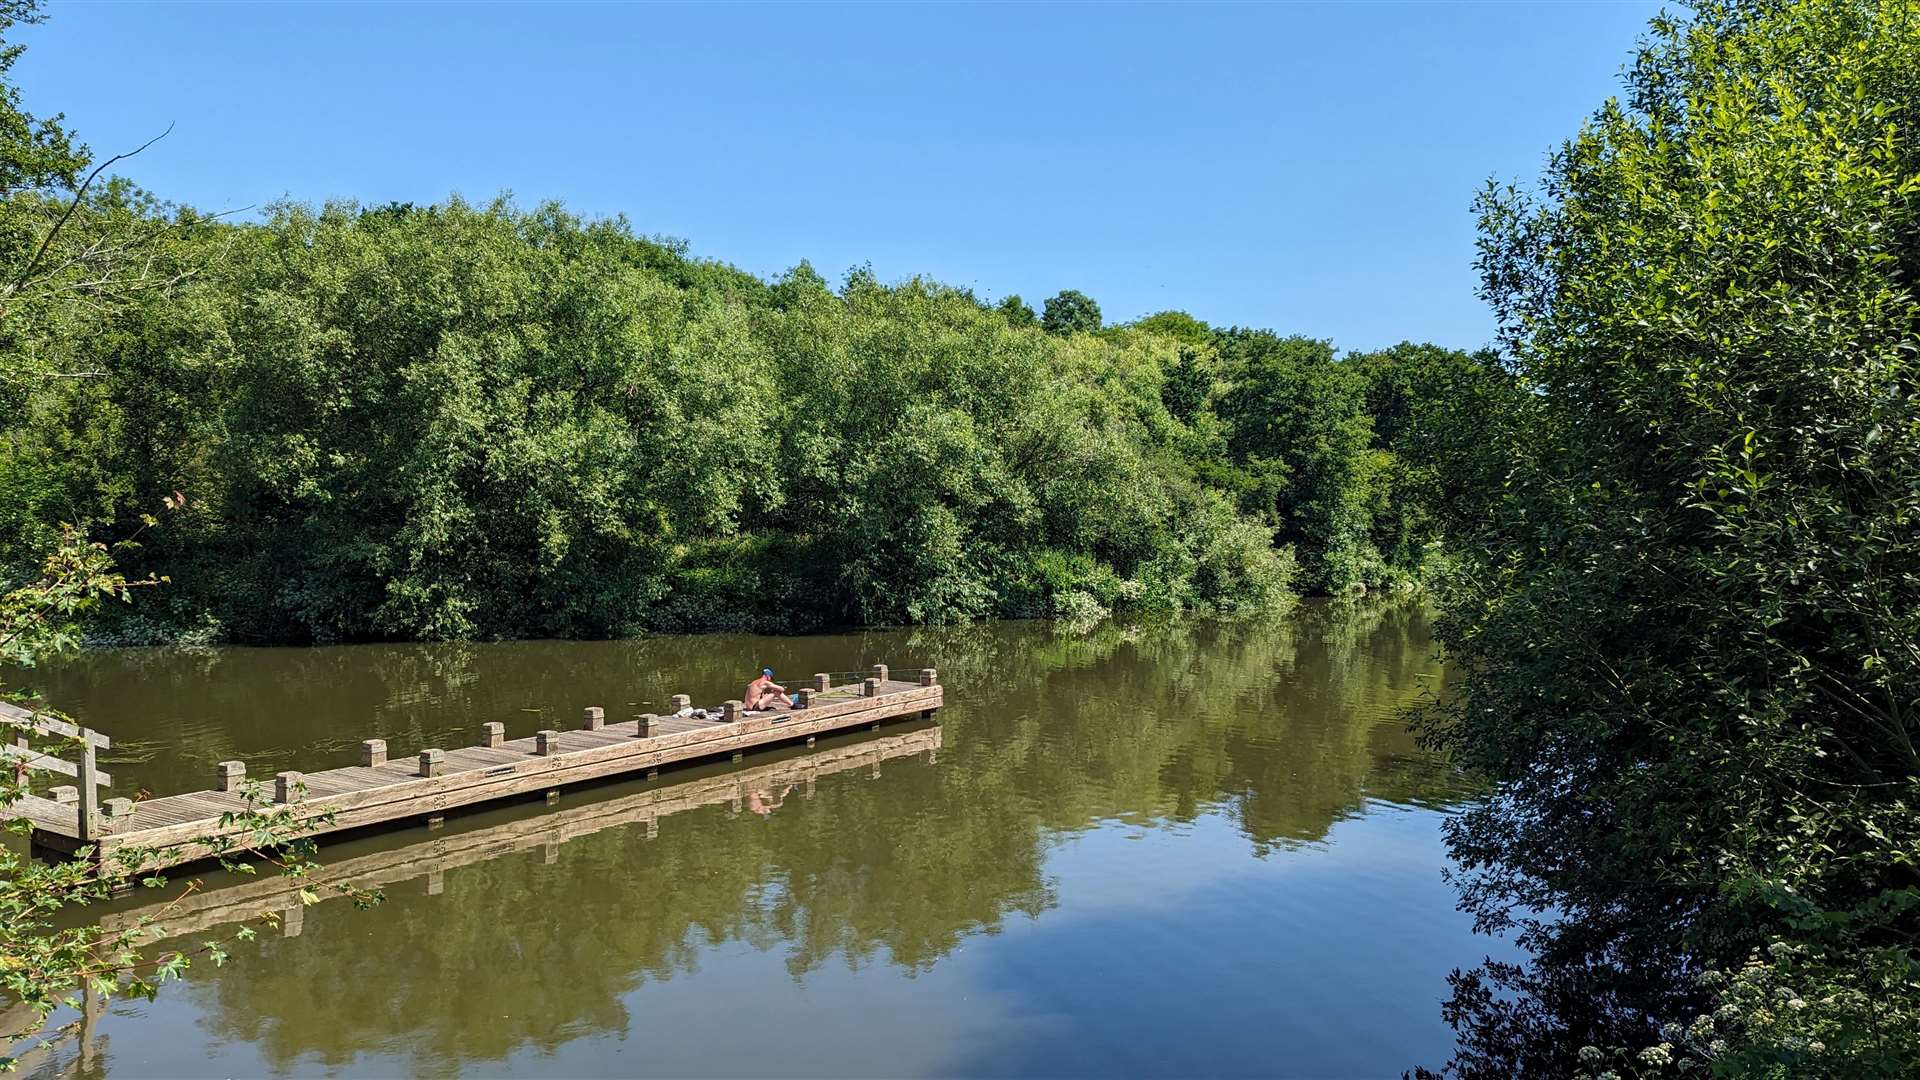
x,y
432,859
178,829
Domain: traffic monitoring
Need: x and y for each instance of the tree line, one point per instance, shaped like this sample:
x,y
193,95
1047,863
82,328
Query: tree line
x,y
471,421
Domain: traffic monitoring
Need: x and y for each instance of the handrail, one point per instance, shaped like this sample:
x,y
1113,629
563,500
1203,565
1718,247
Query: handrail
x,y
47,725
87,810
33,759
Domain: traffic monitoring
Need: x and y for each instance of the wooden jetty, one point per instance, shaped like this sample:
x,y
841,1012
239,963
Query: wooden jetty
x,y
429,860
174,830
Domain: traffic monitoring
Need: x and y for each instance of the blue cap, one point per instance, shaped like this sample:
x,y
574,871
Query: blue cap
x,y
767,671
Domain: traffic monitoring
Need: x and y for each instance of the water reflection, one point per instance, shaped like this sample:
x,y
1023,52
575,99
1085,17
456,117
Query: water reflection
x,y
1073,774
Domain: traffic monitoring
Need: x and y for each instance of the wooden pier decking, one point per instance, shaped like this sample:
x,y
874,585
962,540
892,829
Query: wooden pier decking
x,y
429,859
178,829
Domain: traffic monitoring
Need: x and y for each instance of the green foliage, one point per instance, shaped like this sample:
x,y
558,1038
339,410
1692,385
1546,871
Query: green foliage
x,y
1687,613
1177,325
1070,311
450,421
1017,312
1188,385
1299,439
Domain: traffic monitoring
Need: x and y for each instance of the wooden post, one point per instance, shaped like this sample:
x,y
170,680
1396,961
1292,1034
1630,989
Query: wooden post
x,y
65,795
432,762
230,776
119,808
546,742
553,854
730,711
436,882
880,672
653,828
929,677
804,698
89,809
870,688
293,920
738,755
645,725
373,752
822,682
286,786
681,701
593,718
493,733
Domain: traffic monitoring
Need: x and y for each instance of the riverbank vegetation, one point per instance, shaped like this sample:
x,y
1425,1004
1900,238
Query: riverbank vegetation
x,y
459,420
1687,618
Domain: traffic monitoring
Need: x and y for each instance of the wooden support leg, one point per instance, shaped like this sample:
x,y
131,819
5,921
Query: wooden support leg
x,y
89,809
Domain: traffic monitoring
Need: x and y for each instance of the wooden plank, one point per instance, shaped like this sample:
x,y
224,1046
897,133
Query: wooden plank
x,y
38,721
45,763
45,814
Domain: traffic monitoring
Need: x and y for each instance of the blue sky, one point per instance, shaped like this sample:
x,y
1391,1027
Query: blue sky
x,y
1302,167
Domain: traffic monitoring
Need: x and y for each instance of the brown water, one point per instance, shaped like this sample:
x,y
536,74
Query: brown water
x,y
1178,850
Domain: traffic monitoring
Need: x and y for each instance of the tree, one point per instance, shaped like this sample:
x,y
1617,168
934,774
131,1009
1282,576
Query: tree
x,y
1687,614
1177,325
1298,440
1189,383
1017,312
1070,311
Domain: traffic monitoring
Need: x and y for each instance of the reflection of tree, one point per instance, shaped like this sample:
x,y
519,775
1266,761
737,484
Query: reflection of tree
x,y
1285,727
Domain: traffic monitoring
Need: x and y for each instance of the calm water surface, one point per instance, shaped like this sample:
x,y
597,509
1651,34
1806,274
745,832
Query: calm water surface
x,y
1194,850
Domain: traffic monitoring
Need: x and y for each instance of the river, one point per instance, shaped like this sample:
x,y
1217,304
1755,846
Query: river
x,y
1173,850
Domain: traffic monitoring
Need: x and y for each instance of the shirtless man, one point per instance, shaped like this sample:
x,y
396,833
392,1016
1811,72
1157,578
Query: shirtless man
x,y
764,693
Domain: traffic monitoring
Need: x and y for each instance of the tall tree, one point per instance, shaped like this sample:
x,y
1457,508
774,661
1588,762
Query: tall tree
x,y
1070,311
1687,620
1017,311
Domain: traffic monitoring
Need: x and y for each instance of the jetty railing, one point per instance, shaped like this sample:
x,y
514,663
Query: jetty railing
x,y
16,723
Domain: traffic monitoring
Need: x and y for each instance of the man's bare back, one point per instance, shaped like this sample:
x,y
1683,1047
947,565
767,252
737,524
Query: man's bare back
x,y
764,693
